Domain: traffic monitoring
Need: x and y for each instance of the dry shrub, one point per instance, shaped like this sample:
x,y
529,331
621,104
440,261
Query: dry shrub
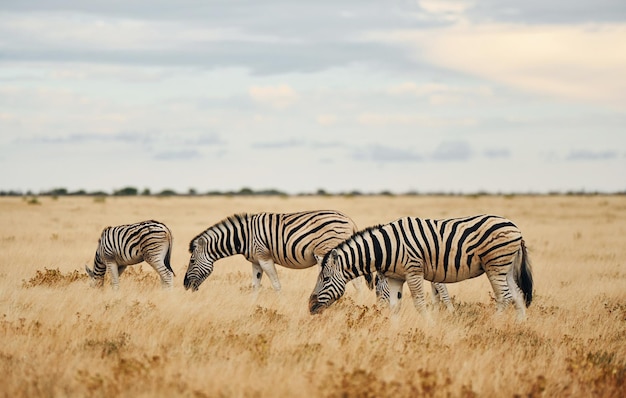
x,y
120,376
143,278
53,278
604,373
108,346
21,326
361,383
269,317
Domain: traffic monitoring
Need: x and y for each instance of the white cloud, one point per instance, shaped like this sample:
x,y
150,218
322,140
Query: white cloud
x,y
407,119
439,93
280,96
575,62
445,9
452,151
326,119
74,30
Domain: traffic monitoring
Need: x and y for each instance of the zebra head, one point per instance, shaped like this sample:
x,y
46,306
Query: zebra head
x,y
95,280
99,268
200,263
331,283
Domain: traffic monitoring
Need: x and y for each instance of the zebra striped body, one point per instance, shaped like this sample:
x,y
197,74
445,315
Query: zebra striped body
x,y
124,245
293,240
442,251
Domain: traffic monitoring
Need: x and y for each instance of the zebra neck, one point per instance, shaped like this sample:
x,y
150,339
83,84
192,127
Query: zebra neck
x,y
233,236
358,267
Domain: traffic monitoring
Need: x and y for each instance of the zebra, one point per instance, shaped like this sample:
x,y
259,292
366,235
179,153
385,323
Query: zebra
x,y
443,251
124,245
294,240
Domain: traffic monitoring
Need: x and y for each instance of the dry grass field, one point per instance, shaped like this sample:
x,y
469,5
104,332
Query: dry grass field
x,y
60,337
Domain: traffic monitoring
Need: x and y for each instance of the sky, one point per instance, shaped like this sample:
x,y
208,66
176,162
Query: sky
x,y
425,96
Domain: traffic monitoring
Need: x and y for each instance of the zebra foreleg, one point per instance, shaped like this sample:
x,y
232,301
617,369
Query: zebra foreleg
x,y
440,295
382,289
415,280
257,274
395,293
270,269
115,276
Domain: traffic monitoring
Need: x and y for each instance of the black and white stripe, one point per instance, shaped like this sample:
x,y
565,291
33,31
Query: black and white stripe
x,y
442,251
293,240
124,245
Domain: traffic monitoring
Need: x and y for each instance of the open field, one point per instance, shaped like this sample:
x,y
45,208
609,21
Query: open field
x,y
60,337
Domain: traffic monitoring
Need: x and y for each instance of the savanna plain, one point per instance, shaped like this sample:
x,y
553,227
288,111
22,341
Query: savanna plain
x,y
61,337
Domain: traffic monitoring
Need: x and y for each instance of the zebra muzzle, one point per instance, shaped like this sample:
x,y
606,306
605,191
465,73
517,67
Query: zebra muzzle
x,y
315,307
191,284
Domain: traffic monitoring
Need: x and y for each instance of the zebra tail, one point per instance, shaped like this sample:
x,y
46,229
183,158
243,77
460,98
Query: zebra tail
x,y
168,255
525,275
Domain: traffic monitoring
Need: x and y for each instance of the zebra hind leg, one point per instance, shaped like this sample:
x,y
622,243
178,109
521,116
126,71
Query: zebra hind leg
x,y
517,296
167,276
498,276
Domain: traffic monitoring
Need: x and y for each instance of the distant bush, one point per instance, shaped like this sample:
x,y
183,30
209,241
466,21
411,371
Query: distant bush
x,y
57,192
128,191
167,192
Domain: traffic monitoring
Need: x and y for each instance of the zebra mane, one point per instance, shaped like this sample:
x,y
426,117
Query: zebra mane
x,y
233,219
353,237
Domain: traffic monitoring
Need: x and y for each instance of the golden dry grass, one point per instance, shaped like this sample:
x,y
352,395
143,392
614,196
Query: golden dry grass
x,y
60,337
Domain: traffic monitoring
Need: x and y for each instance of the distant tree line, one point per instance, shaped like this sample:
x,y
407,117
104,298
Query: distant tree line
x,y
132,191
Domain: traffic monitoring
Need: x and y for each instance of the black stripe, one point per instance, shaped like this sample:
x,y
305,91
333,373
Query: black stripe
x,y
448,244
433,262
415,240
387,253
368,256
468,234
397,242
495,247
486,234
378,255
238,229
467,231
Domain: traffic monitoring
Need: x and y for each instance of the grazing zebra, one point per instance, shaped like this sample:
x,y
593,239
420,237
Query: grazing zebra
x,y
293,240
443,251
124,245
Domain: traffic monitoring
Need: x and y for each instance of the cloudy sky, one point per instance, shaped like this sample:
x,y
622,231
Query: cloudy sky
x,y
341,95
